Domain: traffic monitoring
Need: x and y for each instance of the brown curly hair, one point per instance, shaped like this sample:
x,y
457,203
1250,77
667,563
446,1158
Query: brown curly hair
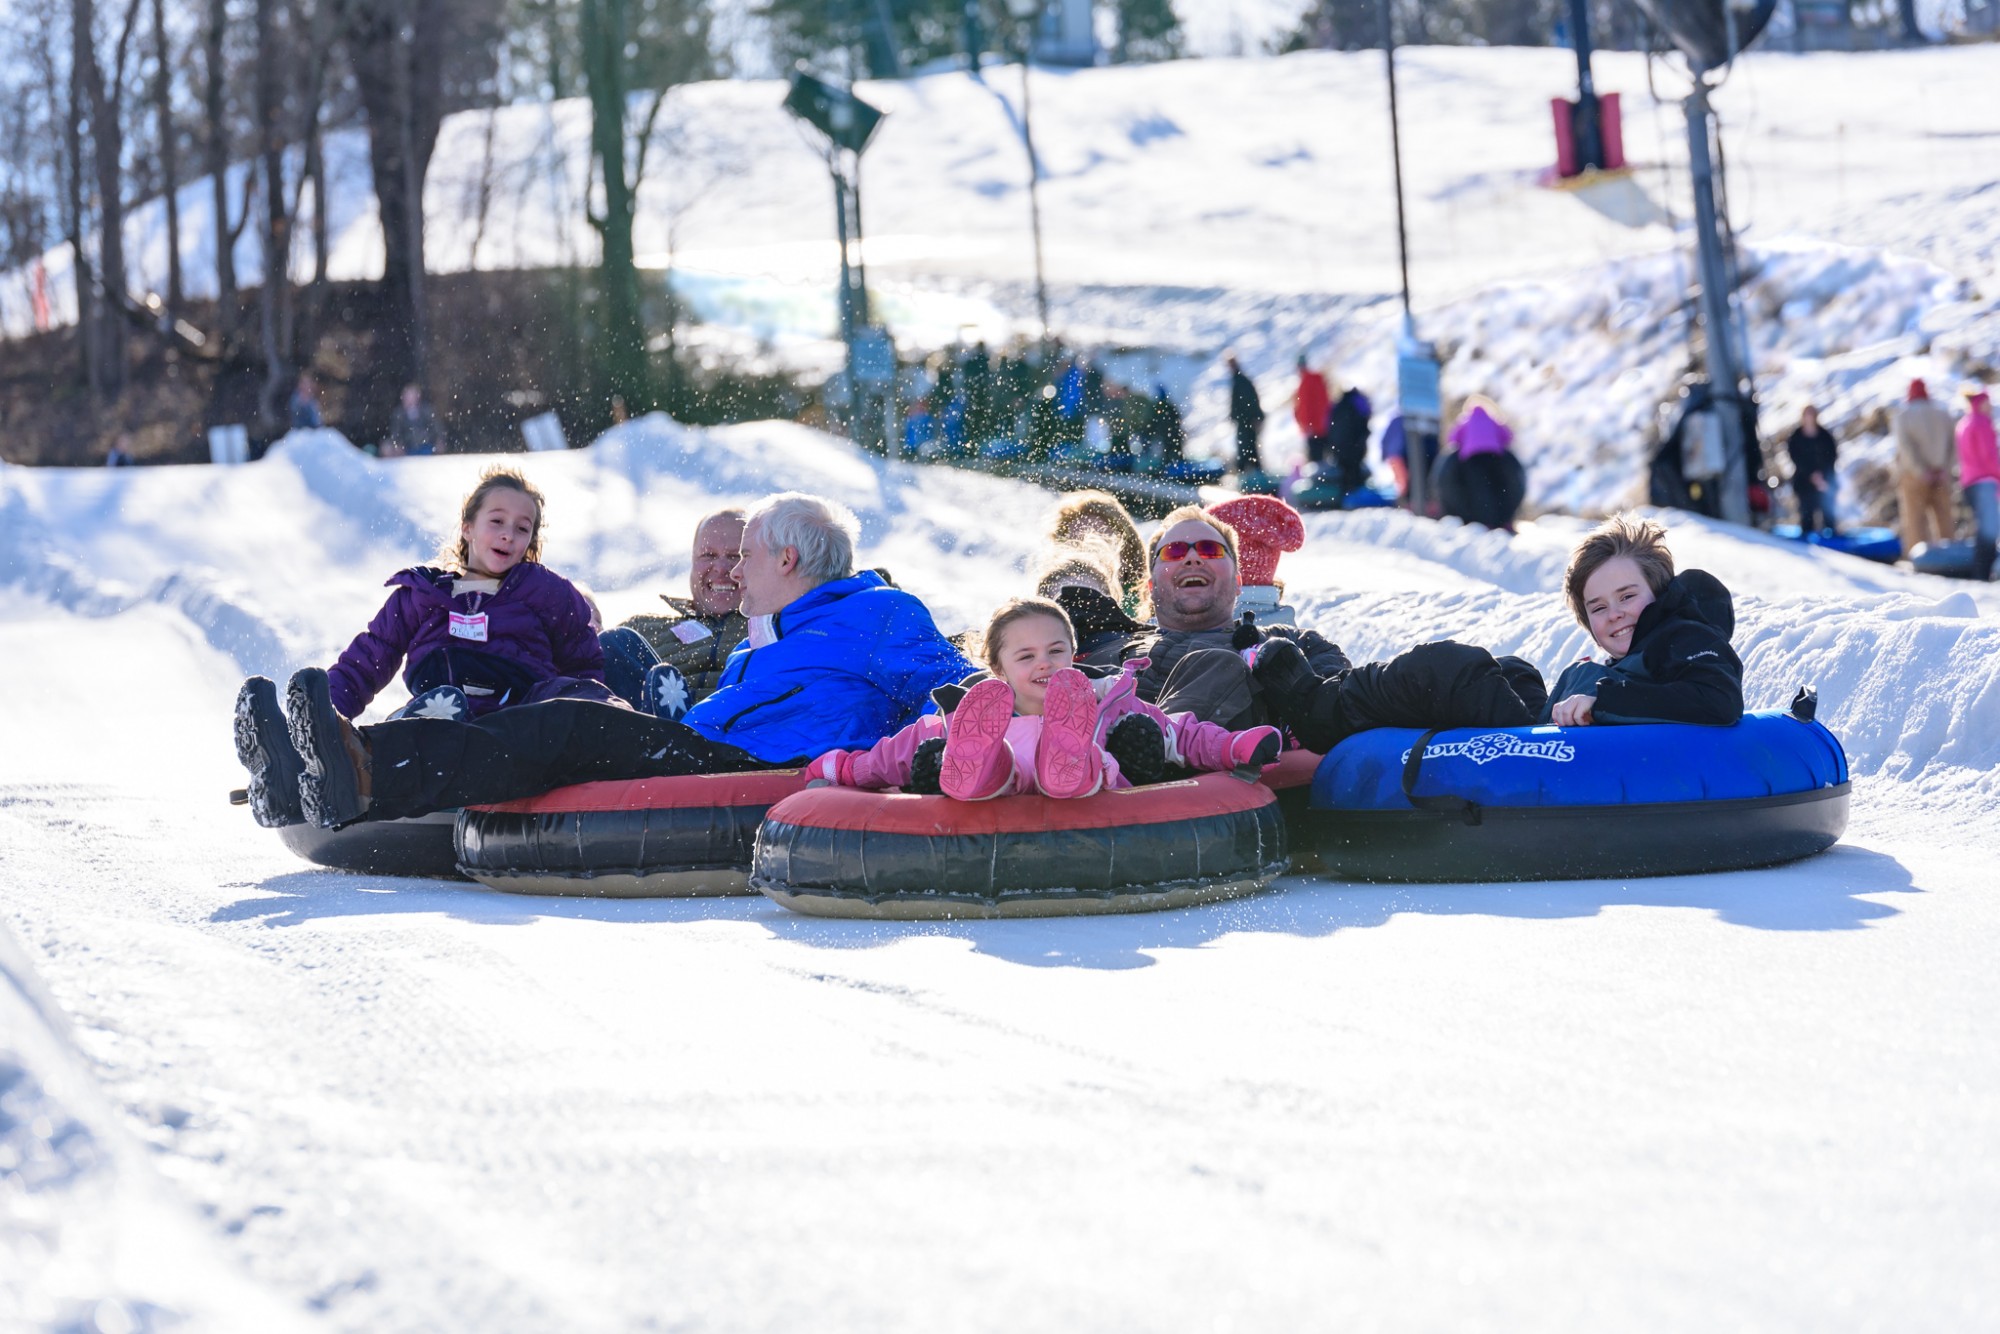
x,y
454,554
1084,515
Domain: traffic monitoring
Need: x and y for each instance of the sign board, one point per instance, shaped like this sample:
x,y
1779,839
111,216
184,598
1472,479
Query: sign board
x,y
228,444
1417,389
543,432
874,356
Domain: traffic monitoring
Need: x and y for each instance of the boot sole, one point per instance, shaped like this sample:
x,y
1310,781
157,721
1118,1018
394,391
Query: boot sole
x,y
976,758
1139,769
329,795
1067,762
264,745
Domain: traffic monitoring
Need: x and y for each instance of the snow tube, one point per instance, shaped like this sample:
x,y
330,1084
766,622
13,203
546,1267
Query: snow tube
x,y
1549,803
640,838
1950,560
419,847
1880,544
1291,779
842,852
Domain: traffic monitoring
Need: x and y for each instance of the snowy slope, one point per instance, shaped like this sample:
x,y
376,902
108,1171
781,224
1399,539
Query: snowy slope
x,y
1762,1099
1202,205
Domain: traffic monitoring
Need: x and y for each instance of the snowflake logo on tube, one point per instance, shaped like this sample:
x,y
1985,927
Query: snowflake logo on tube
x,y
1489,746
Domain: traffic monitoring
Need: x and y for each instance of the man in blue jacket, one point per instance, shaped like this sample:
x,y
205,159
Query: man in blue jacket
x,y
834,660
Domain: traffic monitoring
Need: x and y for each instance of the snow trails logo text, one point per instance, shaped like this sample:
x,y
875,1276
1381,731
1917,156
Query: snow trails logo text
x,y
1501,746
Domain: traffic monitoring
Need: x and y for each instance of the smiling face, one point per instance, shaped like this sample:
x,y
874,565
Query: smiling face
x,y
1031,650
718,546
766,576
1195,592
1613,597
500,533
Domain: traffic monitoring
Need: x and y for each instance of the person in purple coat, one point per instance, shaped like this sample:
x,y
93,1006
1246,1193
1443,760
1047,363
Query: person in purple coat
x,y
487,628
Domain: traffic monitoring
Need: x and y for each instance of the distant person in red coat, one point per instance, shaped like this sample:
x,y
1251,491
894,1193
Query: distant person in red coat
x,y
1311,407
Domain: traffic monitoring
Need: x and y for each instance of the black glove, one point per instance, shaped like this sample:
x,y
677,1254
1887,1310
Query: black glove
x,y
1247,633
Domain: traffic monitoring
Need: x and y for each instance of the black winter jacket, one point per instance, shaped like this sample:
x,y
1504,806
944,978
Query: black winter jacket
x,y
1680,668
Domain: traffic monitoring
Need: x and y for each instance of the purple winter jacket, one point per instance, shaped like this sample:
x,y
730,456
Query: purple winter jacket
x,y
538,642
1478,433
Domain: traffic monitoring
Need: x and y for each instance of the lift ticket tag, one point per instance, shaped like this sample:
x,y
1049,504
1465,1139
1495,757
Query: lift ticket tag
x,y
691,632
471,626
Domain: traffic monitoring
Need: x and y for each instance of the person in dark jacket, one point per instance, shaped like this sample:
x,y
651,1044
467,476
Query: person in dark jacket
x,y
1193,657
1347,438
1812,448
695,638
1665,636
833,659
1246,411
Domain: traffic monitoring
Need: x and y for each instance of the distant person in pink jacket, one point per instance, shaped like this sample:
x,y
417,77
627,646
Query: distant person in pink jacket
x,y
1039,725
1979,473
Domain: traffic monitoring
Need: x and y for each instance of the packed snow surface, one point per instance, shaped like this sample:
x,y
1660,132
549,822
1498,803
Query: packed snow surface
x,y
1755,1100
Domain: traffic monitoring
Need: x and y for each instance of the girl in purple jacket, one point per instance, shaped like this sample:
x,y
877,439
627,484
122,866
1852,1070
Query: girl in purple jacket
x,y
489,627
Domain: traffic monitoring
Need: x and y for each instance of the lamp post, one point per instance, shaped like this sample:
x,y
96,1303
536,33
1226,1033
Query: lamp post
x,y
1025,13
1417,395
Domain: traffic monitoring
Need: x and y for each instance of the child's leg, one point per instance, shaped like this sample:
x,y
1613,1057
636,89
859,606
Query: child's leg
x,y
1207,748
1068,762
978,763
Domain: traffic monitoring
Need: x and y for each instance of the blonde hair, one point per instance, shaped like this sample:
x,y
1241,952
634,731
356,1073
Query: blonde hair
x,y
1078,519
1643,541
1010,612
454,553
1093,565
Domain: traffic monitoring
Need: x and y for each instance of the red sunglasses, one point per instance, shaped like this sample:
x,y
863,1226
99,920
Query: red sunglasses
x,y
1207,548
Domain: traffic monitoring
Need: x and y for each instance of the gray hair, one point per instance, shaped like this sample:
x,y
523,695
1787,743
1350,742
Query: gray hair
x,y
823,531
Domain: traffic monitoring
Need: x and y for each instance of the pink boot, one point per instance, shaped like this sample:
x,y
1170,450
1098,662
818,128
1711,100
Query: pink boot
x,y
977,760
1068,763
1207,748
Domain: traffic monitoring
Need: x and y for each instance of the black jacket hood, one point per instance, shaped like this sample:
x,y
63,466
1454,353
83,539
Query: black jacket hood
x,y
1694,595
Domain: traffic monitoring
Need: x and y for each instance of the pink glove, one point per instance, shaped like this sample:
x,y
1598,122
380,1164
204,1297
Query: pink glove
x,y
833,769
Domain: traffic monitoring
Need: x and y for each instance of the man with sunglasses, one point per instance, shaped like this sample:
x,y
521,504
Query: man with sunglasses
x,y
1194,664
1298,679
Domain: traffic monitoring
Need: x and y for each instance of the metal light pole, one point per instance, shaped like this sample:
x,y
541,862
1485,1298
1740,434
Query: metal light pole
x,y
1025,12
1417,394
1588,124
1718,316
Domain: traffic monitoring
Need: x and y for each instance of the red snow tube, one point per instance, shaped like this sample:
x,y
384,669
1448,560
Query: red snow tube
x,y
1291,778
841,852
640,838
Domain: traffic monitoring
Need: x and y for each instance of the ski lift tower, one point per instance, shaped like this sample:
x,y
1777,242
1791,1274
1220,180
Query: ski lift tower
x,y
1709,34
845,124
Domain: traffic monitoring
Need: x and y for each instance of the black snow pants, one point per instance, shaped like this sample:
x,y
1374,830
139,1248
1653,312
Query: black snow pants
x,y
1445,684
419,765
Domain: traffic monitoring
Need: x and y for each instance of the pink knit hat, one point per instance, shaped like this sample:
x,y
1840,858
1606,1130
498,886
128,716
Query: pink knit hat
x,y
1266,527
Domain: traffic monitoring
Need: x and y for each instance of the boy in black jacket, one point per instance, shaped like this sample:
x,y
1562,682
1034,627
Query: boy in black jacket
x,y
1665,636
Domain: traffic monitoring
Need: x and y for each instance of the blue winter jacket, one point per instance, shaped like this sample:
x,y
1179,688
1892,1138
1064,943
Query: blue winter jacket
x,y
853,661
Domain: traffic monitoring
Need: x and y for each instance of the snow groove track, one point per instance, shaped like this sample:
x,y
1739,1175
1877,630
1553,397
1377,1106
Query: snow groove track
x,y
1762,1099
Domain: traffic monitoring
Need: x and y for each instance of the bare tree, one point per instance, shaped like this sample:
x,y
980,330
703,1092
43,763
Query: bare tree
x,y
215,107
170,184
275,294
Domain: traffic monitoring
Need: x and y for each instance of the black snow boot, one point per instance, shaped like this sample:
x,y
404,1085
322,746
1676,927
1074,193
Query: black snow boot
x,y
1140,748
333,791
927,769
264,744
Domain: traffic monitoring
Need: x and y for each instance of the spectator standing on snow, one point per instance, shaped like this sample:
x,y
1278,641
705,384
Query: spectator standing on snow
x,y
1347,437
1481,481
1812,448
1396,442
305,413
1310,406
1979,467
1923,469
1246,411
413,427
120,453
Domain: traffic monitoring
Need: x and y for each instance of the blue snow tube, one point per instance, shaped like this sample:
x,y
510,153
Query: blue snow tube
x,y
1556,803
1879,544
